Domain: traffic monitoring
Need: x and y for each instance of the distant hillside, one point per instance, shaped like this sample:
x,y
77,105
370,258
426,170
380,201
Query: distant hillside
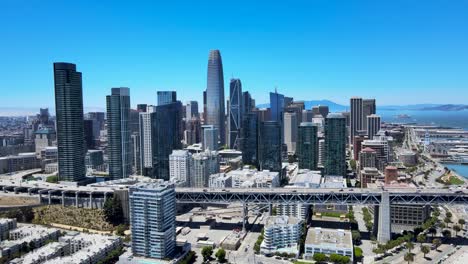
x,y
334,107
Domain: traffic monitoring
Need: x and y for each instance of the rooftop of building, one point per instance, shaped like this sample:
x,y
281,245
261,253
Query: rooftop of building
x,y
337,238
281,220
307,176
367,149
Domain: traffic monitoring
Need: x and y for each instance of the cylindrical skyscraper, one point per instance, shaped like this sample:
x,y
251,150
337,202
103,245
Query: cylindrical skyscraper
x,y
215,94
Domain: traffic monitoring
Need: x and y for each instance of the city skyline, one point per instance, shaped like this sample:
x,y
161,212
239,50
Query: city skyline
x,y
318,51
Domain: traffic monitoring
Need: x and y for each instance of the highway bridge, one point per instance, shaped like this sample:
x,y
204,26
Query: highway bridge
x,y
383,198
345,196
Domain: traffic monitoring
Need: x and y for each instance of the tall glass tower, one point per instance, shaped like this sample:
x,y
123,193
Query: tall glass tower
x,y
307,146
335,145
270,146
118,133
215,95
70,126
235,112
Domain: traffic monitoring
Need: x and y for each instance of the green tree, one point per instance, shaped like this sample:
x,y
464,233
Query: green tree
x,y
352,164
446,233
425,250
409,257
409,246
320,257
447,220
358,252
461,221
448,214
113,210
356,236
120,230
206,253
457,229
421,238
436,242
221,255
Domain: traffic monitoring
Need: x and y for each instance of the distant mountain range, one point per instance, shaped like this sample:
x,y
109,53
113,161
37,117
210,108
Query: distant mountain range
x,y
334,107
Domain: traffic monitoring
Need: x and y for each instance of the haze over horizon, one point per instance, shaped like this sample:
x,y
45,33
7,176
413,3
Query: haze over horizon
x,y
397,52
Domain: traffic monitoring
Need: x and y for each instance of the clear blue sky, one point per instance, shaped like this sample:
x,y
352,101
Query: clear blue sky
x,y
399,52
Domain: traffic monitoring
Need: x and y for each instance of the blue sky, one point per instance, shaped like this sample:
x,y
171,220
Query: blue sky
x,y
399,52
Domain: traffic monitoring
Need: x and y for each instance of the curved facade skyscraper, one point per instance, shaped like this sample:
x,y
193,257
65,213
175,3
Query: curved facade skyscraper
x,y
215,95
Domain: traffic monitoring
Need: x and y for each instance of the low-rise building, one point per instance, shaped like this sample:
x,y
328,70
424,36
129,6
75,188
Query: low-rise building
x,y
6,225
251,178
220,180
328,241
86,248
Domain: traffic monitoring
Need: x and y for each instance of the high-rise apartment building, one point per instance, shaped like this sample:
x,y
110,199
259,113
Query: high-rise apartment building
x,y
335,145
153,219
373,125
356,122
368,108
202,165
235,113
290,131
118,133
69,121
307,146
210,137
179,166
269,146
146,142
191,110
215,110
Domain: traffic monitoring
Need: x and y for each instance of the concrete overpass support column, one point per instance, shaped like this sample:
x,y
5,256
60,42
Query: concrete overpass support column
x,y
63,198
91,200
384,231
76,199
244,216
270,209
50,198
40,197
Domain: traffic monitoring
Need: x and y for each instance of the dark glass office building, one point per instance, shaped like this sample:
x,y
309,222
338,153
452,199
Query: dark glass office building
x,y
118,133
277,107
166,97
269,146
166,122
307,146
215,110
249,139
335,145
69,119
235,113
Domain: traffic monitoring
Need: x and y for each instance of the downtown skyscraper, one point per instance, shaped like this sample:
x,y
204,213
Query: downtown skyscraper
x,y
69,119
307,146
356,124
215,110
335,145
118,133
235,112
